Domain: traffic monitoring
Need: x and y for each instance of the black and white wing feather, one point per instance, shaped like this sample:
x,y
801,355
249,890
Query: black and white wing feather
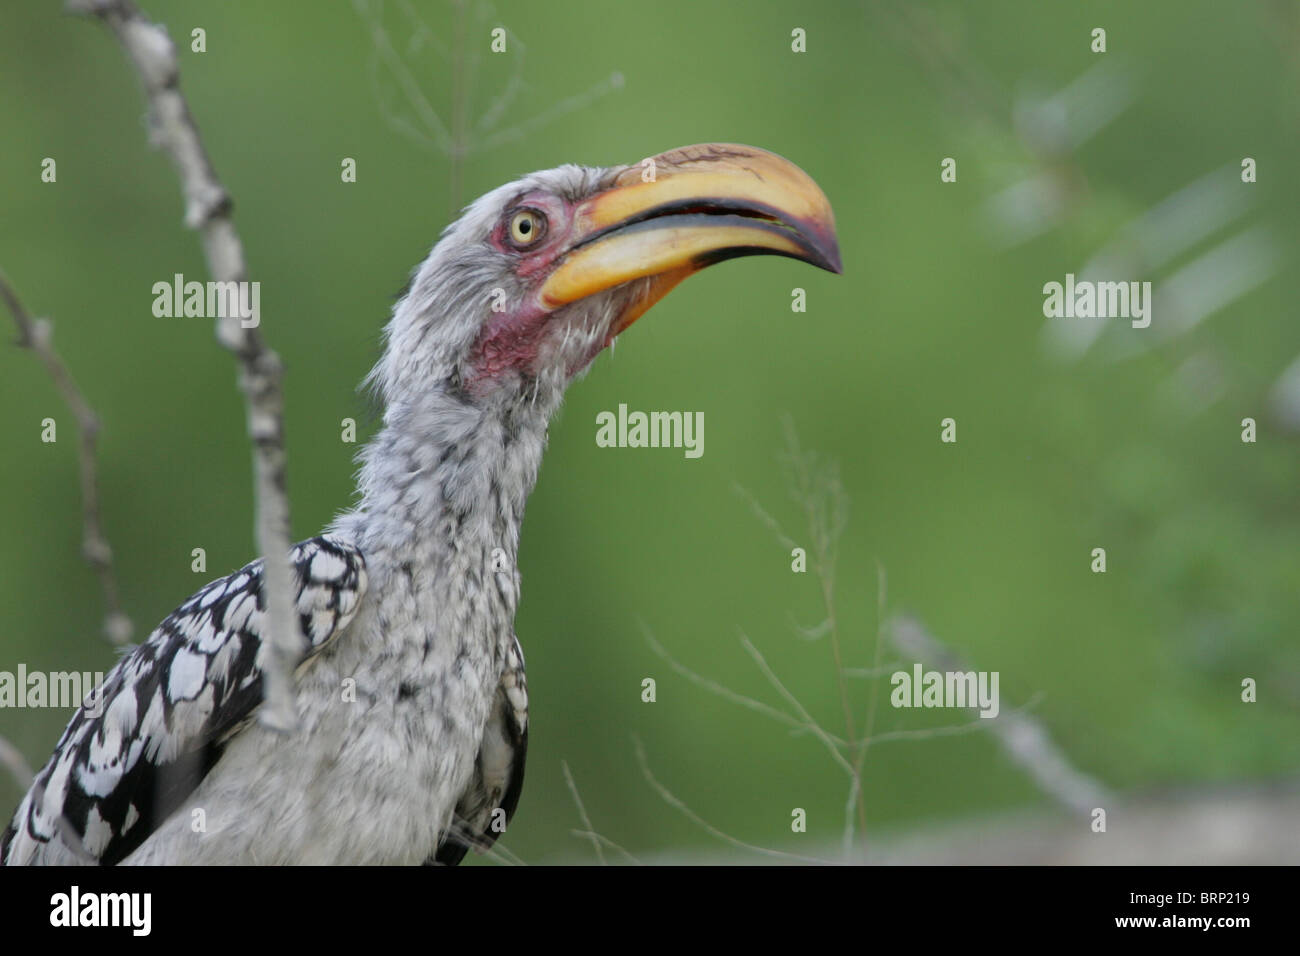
x,y
140,745
488,804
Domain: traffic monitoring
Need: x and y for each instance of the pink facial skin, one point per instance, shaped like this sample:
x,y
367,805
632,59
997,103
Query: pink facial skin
x,y
511,340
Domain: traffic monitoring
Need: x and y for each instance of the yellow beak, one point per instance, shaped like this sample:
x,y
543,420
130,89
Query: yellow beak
x,y
686,209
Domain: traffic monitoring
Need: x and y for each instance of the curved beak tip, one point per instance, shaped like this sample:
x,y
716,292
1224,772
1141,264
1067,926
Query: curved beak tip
x,y
827,246
688,208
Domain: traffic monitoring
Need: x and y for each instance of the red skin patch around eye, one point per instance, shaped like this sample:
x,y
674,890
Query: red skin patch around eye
x,y
559,222
510,340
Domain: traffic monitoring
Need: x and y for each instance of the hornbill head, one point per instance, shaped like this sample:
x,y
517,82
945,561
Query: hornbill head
x,y
538,276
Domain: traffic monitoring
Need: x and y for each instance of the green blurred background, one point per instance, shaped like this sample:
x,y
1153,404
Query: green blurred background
x,y
1132,444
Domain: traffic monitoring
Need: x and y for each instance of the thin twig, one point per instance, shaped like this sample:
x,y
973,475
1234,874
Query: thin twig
x,y
876,670
501,102
818,489
827,739
726,693
470,837
606,841
677,803
401,73
498,853
208,210
956,730
570,104
582,813
768,521
462,136
459,147
813,633
421,33
38,335
872,673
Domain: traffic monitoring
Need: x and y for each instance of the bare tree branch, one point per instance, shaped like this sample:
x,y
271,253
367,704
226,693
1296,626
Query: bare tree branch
x,y
38,335
208,209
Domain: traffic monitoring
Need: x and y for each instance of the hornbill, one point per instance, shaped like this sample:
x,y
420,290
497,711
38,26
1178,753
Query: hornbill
x,y
411,694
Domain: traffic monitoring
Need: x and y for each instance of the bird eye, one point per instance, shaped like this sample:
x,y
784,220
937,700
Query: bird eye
x,y
527,226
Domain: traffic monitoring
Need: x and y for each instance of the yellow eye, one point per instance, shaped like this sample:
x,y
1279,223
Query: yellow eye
x,y
527,226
